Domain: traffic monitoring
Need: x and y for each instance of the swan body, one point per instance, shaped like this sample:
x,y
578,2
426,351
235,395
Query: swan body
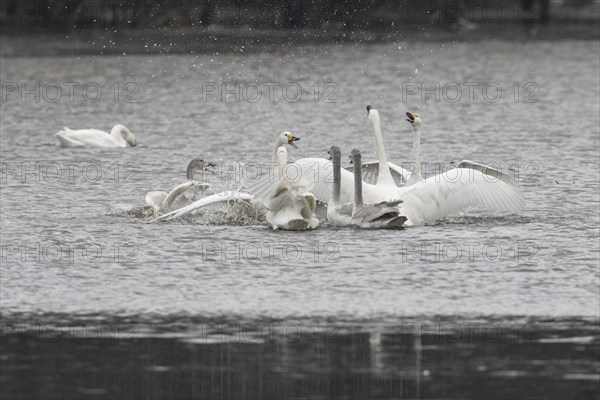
x,y
119,137
292,208
183,194
337,214
290,204
380,215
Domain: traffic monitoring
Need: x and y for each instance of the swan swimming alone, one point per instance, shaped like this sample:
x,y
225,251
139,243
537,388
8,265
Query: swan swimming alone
x,y
119,137
290,204
381,215
183,194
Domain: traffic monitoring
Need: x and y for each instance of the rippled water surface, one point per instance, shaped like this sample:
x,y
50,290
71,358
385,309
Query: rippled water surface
x,y
542,262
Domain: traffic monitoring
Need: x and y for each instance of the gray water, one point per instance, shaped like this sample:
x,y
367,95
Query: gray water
x,y
539,263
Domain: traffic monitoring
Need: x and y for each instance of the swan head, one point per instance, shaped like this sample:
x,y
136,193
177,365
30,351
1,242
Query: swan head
x,y
414,119
355,156
126,135
334,152
198,164
289,138
372,114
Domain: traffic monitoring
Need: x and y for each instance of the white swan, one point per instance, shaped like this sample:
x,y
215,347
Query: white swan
x,y
337,214
182,195
118,137
402,176
380,215
469,185
290,204
381,172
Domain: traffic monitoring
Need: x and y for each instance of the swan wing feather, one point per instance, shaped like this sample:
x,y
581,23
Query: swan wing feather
x,y
208,200
456,190
370,172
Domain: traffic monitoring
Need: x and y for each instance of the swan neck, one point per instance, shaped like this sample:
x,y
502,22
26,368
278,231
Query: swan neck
x,y
275,159
384,170
116,132
358,197
189,174
276,167
416,154
337,178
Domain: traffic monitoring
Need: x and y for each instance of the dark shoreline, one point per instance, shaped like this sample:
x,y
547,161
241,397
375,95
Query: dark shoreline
x,y
253,40
193,357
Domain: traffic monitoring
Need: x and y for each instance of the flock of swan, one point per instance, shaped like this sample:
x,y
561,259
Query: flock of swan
x,y
377,194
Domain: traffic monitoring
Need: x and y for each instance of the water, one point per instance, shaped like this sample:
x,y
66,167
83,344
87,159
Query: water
x,y
70,253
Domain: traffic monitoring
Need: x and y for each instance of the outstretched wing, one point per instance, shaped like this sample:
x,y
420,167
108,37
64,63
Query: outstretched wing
x,y
208,200
458,189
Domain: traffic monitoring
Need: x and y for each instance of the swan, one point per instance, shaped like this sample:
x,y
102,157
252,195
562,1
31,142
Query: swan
x,y
381,172
290,204
183,194
404,177
381,215
416,123
337,214
118,137
468,185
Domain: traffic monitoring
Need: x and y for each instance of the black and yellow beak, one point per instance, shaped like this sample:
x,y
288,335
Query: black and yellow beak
x,y
411,117
292,139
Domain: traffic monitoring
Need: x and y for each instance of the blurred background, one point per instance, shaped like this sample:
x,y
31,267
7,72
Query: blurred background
x,y
317,19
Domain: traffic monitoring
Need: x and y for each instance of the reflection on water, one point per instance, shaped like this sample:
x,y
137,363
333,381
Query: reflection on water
x,y
317,359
